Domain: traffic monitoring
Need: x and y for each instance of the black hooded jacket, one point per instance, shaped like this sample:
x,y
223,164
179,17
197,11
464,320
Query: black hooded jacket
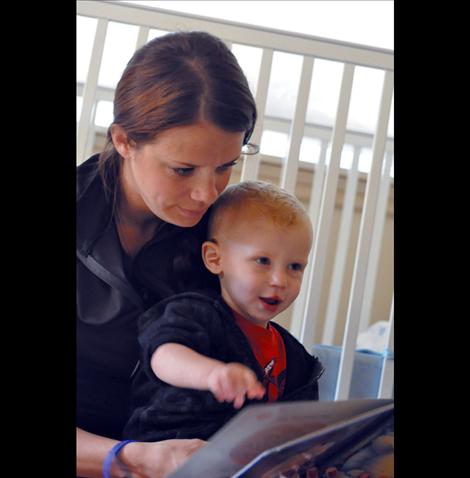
x,y
112,293
204,323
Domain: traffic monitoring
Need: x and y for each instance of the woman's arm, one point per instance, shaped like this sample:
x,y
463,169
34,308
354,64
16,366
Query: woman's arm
x,y
91,452
145,460
181,366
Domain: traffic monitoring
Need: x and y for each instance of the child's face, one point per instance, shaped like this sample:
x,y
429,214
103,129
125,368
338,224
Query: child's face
x,y
262,265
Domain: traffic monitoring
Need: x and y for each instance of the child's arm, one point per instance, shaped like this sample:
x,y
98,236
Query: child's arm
x,y
181,366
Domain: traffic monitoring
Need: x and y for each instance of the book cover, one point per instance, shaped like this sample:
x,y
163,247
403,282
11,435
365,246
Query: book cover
x,y
277,440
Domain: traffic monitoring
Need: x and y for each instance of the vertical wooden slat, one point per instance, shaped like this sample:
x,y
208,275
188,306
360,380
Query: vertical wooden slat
x,y
290,167
141,40
320,249
365,236
90,142
336,284
89,90
313,209
319,179
377,235
387,375
251,163
142,37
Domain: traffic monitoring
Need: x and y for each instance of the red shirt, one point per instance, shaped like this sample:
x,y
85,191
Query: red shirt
x,y
269,350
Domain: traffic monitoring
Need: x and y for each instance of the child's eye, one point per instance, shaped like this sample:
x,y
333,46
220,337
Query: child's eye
x,y
183,171
264,261
296,266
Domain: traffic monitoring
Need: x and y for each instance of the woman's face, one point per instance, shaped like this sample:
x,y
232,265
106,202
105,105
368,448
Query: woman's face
x,y
180,174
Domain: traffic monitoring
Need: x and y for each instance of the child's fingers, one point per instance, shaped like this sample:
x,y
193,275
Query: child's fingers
x,y
233,382
239,400
254,387
219,396
256,392
222,391
226,392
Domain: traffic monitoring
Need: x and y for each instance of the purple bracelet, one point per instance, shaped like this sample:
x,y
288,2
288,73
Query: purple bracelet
x,y
112,455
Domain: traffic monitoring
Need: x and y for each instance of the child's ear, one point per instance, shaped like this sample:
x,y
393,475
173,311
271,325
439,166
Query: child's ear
x,y
211,256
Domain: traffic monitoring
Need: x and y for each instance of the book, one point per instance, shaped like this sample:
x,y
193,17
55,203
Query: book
x,y
294,439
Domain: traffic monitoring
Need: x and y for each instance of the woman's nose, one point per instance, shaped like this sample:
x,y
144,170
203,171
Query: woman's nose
x,y
205,191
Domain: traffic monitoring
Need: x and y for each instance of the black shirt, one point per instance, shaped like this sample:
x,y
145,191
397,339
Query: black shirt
x,y
112,294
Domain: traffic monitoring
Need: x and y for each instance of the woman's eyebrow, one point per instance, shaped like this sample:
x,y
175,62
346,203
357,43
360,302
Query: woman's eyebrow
x,y
189,165
184,165
228,162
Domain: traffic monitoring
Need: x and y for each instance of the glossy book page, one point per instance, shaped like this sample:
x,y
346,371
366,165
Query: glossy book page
x,y
263,438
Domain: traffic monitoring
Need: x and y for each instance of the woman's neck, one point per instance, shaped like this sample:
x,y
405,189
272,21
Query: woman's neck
x,y
134,234
135,225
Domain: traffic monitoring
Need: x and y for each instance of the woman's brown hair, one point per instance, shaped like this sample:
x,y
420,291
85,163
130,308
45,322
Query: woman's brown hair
x,y
175,80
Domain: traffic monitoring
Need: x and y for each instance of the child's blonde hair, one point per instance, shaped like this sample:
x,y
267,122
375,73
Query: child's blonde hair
x,y
260,199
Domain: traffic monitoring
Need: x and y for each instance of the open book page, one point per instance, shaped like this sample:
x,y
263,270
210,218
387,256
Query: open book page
x,y
323,450
259,428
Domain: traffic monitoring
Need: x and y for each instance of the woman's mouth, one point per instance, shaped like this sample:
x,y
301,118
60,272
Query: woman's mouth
x,y
192,213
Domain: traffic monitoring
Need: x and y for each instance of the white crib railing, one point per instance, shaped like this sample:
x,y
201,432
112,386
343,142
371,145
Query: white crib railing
x,y
365,239
306,311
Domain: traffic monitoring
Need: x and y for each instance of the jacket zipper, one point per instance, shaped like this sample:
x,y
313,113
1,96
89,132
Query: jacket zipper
x,y
308,384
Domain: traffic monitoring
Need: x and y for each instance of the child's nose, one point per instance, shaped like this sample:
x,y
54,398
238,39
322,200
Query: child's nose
x,y
279,278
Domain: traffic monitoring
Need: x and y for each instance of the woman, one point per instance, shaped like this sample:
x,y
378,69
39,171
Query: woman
x,y
182,112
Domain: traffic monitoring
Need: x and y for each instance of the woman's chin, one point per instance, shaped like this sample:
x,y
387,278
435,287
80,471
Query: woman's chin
x,y
184,217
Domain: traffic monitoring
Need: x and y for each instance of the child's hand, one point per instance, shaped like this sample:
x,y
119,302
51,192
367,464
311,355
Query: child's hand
x,y
229,382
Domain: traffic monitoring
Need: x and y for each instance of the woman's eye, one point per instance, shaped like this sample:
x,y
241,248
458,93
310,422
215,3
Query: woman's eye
x,y
264,261
226,167
183,171
296,266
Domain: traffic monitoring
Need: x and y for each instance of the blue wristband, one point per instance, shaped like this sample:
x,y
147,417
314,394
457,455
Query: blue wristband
x,y
113,453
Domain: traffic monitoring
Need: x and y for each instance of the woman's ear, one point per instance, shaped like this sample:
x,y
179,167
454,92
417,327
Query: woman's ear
x,y
120,140
211,257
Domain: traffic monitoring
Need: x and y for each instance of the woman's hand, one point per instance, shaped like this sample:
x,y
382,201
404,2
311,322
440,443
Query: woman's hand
x,y
230,382
158,459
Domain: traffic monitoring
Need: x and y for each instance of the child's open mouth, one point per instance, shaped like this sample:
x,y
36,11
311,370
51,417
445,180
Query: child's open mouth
x,y
270,300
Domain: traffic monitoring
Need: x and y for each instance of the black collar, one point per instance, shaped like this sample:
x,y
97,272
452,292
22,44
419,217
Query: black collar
x,y
93,211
